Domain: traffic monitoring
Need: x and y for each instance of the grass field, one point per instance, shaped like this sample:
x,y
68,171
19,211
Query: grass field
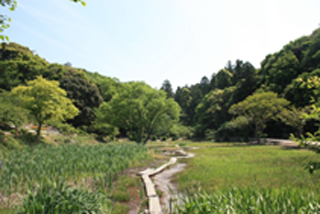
x,y
255,166
249,179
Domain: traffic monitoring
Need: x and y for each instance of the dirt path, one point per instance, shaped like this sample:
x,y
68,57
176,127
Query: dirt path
x,y
161,180
164,184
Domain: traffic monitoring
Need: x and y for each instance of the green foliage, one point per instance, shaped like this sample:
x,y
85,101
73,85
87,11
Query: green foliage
x,y
164,138
139,109
96,166
295,118
85,96
213,110
120,208
9,142
18,64
11,112
58,197
260,108
64,128
45,101
223,79
166,86
250,200
179,130
108,87
120,196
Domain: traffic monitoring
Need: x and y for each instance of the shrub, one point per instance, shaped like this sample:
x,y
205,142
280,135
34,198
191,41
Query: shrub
x,y
28,137
120,208
164,138
54,198
9,142
121,196
174,138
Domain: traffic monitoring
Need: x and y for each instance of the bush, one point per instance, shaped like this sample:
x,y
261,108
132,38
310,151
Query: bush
x,y
9,142
210,135
28,138
121,196
164,138
154,138
65,128
174,138
54,198
120,208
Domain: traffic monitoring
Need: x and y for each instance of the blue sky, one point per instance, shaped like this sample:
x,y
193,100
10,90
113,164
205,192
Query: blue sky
x,y
154,40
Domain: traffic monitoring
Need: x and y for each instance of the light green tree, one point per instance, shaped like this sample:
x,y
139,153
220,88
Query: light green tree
x,y
139,109
45,101
295,117
312,140
11,112
260,108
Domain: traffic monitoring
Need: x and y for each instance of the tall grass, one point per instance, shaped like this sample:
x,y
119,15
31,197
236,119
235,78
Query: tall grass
x,y
250,201
58,197
95,166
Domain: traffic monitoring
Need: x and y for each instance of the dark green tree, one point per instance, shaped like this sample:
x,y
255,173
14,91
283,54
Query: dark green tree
x,y
166,86
85,96
223,79
18,65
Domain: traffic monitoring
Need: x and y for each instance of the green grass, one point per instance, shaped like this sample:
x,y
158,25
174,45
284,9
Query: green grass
x,y
252,166
248,179
90,167
250,201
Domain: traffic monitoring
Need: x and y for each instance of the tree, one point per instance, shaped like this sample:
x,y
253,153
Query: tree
x,y
85,96
259,108
312,141
295,118
166,86
223,79
212,111
139,109
18,64
11,112
45,101
184,98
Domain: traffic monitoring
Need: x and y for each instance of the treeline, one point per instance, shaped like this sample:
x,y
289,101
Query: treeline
x,y
110,108
106,106
206,105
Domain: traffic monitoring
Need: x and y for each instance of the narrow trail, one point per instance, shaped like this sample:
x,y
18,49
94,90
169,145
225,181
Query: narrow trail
x,y
164,184
162,179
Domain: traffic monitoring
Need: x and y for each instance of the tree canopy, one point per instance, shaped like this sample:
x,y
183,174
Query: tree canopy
x,y
139,109
259,108
45,101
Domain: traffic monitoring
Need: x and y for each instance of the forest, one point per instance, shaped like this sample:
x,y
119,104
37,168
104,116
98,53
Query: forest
x,y
236,103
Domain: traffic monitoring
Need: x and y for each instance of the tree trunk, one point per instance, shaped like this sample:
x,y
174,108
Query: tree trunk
x,y
38,132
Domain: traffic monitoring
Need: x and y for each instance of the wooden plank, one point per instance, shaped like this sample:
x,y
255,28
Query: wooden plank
x,y
154,205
